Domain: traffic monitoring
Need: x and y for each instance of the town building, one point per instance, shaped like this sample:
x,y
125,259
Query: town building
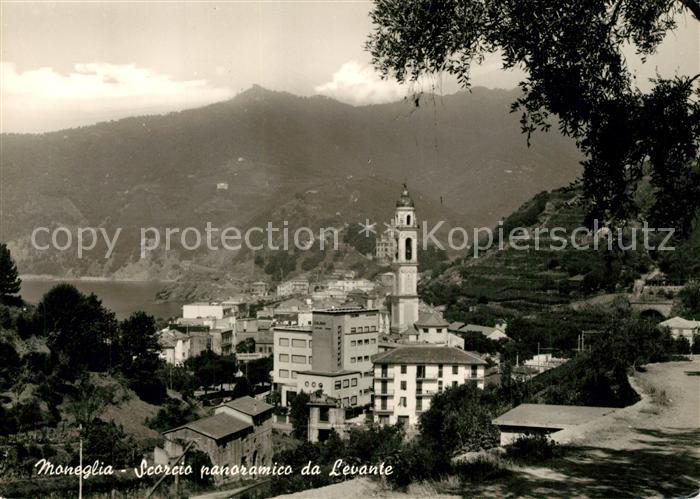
x,y
495,333
238,433
326,414
682,328
298,286
385,249
333,356
432,328
405,379
404,298
292,349
545,419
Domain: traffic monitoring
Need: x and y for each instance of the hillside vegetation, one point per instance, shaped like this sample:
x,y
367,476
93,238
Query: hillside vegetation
x,y
278,153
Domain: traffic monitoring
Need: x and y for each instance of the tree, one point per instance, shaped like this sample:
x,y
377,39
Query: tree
x,y
246,346
577,73
10,282
78,328
299,415
690,300
459,419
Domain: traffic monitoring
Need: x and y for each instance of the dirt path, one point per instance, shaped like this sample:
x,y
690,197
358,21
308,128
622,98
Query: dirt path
x,y
650,449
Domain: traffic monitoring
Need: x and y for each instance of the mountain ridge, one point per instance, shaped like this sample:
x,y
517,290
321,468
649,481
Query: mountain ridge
x,y
462,154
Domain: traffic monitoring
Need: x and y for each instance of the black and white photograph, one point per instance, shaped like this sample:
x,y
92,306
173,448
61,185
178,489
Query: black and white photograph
x,y
349,249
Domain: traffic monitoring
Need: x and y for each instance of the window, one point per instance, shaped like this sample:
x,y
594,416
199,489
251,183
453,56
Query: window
x,y
408,249
419,404
353,360
346,401
440,330
353,329
419,388
439,370
383,403
454,383
299,359
455,369
310,357
353,400
385,372
403,369
402,402
374,340
294,375
403,385
309,343
374,328
440,385
420,372
337,385
353,343
475,371
353,382
425,329
284,342
284,373
299,343
346,383
284,357
408,219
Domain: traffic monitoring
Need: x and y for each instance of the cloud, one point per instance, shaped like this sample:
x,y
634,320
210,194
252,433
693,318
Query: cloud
x,y
35,98
354,83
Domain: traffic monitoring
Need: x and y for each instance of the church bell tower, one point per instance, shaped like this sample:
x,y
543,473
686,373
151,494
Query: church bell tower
x,y
404,300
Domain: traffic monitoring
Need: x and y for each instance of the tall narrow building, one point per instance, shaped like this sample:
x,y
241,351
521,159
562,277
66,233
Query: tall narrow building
x,y
404,300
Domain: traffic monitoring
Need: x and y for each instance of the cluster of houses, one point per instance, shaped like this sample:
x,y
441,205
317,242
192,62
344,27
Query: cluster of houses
x,y
371,351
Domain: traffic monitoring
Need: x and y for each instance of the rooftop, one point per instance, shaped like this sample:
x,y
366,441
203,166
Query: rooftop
x,y
431,319
217,426
249,405
550,416
329,374
680,323
427,354
344,310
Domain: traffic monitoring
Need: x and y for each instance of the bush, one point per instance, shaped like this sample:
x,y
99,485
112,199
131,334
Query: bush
x,y
536,447
485,468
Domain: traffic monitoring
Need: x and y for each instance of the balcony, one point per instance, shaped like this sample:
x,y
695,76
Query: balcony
x,y
385,393
426,394
385,375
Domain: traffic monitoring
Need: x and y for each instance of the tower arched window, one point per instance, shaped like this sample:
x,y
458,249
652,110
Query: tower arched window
x,y
408,251
408,219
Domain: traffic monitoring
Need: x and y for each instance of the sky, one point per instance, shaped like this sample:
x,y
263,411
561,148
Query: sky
x,y
69,64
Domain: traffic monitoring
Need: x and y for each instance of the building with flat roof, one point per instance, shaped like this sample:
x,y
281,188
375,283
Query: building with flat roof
x,y
337,349
292,351
406,378
545,419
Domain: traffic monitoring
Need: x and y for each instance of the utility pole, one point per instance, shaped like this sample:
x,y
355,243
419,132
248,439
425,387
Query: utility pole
x,y
80,454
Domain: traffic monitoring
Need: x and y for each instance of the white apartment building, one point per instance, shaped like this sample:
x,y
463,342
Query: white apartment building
x,y
406,378
292,351
334,356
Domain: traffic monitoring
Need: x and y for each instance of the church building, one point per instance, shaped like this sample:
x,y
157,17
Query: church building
x,y
404,299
